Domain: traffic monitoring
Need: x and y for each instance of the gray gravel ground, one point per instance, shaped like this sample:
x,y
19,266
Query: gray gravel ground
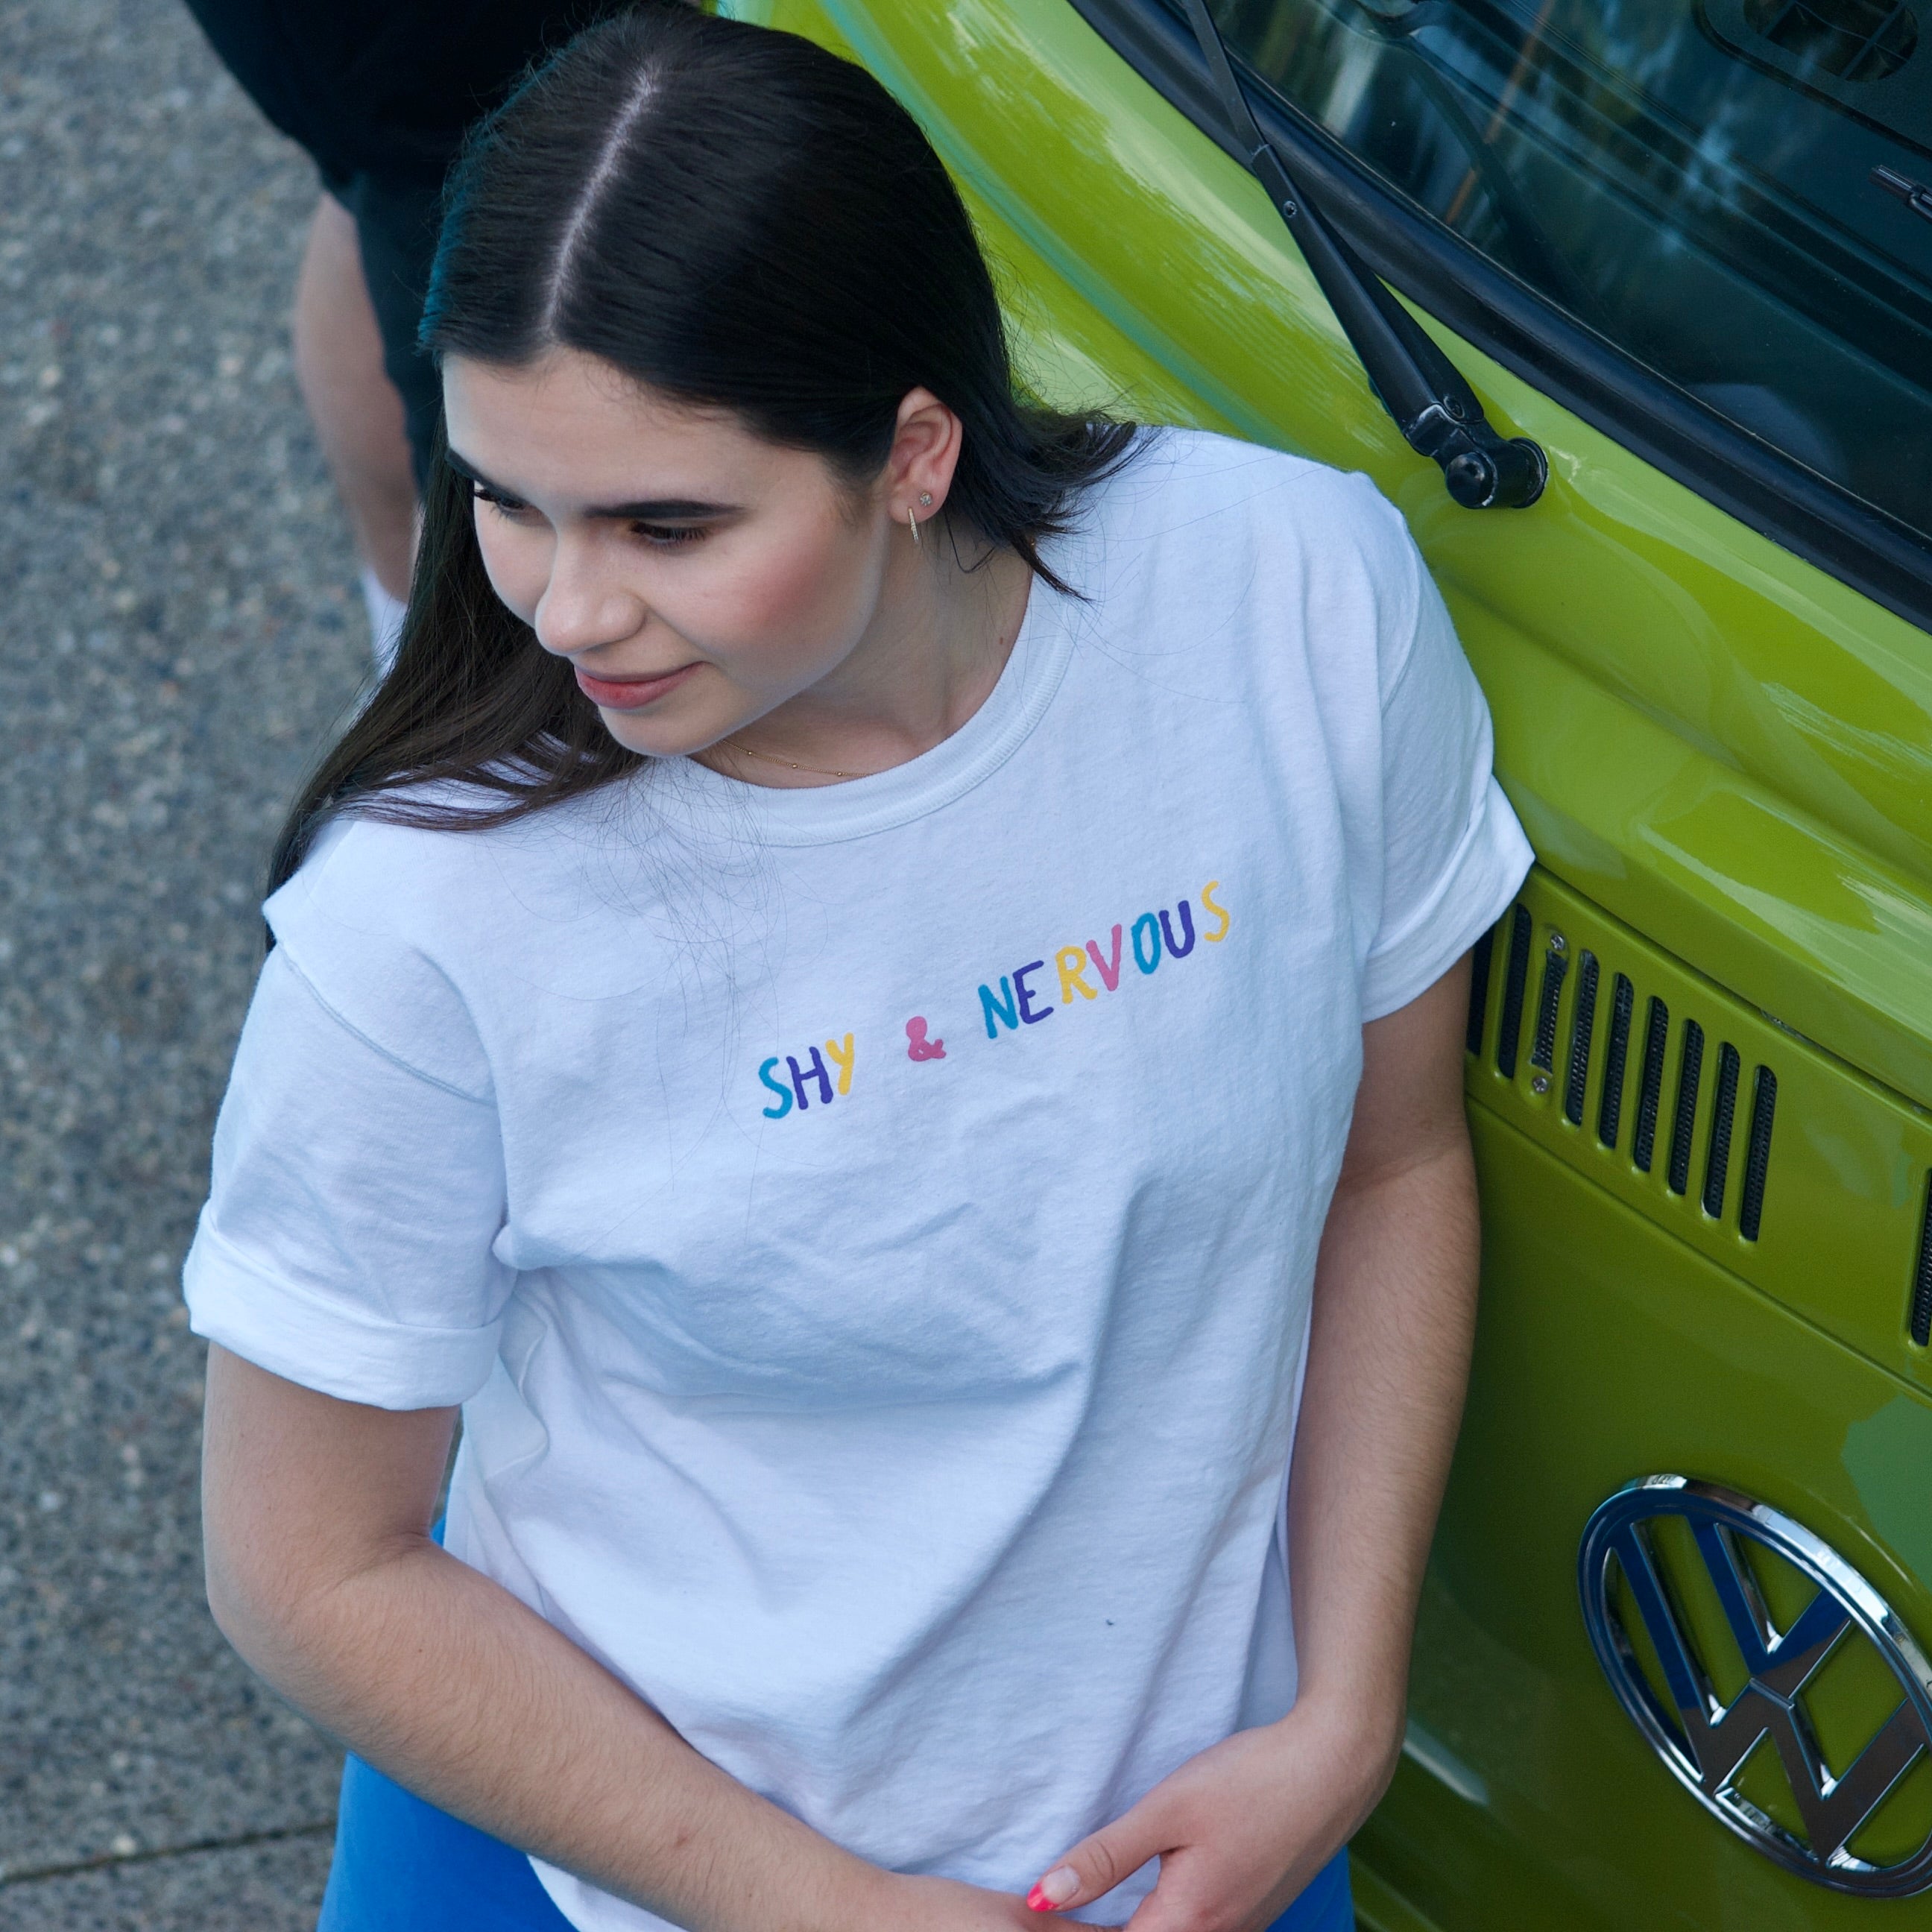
x,y
259,1885
180,629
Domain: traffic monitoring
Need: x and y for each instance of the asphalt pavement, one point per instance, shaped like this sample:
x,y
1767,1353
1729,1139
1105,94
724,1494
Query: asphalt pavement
x,y
179,629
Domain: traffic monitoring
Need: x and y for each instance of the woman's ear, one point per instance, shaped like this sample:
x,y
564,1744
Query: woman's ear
x,y
925,455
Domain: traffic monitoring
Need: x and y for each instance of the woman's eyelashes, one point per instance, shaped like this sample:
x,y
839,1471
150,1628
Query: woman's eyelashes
x,y
668,535
508,506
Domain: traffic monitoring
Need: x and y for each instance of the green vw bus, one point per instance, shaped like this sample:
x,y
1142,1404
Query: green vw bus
x,y
1670,1670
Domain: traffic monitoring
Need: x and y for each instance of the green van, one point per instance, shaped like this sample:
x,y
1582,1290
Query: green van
x,y
1670,1672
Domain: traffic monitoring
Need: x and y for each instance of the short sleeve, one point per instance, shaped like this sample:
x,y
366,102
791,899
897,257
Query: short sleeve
x,y
1454,854
347,1243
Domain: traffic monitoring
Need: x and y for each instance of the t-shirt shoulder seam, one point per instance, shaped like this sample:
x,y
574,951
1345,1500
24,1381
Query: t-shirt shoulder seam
x,y
374,1045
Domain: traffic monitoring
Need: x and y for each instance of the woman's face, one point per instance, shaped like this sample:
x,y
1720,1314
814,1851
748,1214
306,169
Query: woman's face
x,y
696,576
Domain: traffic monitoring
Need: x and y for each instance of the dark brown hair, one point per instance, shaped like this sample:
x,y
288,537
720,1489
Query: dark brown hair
x,y
738,219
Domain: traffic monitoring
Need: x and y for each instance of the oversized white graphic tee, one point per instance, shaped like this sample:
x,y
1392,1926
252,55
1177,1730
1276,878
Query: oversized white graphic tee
x,y
871,1228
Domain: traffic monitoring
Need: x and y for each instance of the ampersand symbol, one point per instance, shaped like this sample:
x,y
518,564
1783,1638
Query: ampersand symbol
x,y
921,1048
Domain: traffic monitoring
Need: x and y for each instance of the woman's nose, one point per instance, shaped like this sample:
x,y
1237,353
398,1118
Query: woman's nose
x,y
583,606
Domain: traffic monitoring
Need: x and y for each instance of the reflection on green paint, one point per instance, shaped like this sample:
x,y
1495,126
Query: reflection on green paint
x,y
1888,1456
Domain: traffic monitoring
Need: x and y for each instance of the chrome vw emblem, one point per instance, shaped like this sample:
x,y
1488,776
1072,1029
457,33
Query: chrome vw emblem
x,y
1705,1741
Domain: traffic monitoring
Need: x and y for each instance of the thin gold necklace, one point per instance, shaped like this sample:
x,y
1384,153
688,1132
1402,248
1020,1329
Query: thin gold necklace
x,y
772,758
819,771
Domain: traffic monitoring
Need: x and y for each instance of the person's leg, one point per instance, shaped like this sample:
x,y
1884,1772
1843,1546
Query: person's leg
x,y
1326,1906
358,414
401,1865
398,216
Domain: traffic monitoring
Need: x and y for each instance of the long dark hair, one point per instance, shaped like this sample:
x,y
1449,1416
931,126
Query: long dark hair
x,y
736,218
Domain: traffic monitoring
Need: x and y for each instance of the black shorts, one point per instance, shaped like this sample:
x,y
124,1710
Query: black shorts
x,y
381,92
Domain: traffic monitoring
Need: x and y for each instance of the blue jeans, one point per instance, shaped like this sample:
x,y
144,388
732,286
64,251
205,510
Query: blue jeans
x,y
403,1866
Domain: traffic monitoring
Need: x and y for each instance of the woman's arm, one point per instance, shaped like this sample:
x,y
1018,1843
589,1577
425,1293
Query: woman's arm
x,y
1241,1828
322,1573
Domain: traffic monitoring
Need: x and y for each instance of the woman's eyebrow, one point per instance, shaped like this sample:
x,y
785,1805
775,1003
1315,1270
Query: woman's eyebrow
x,y
647,510
661,509
468,471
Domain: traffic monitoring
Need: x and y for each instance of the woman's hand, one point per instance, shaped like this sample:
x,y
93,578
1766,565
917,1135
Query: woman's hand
x,y
1241,1830
943,1905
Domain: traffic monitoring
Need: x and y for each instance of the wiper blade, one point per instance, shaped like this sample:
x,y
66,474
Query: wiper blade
x,y
1425,394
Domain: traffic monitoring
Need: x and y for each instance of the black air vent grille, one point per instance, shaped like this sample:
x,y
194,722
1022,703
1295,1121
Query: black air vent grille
x,y
1610,1108
1675,1090
1757,1157
1921,1287
1690,1071
1718,1155
1556,970
1479,989
1656,1033
1521,928
1582,1025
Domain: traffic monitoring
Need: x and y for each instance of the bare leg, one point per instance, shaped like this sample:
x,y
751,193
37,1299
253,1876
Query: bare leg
x,y
357,413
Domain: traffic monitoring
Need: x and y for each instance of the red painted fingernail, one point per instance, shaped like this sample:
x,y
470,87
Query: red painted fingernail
x,y
1057,1888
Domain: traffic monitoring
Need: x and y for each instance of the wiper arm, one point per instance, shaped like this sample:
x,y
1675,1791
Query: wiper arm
x,y
1431,404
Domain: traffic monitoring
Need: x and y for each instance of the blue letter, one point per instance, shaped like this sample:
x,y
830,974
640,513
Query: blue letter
x,y
1000,1009
1187,926
800,1076
1146,961
1025,994
784,1107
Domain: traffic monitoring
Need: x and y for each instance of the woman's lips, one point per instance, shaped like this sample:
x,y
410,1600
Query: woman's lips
x,y
628,694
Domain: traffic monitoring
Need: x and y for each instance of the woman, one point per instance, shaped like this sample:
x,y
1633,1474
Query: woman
x,y
878,954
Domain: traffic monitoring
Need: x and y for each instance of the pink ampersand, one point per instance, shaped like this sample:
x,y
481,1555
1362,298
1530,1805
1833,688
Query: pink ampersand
x,y
920,1048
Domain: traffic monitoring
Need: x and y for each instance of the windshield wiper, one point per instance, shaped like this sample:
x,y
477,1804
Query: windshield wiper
x,y
1431,403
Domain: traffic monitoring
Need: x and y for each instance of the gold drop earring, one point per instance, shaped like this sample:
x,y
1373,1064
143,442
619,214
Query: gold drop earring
x,y
912,520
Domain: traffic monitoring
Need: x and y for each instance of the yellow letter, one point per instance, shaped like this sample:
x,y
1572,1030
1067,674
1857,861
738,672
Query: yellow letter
x,y
1070,979
1220,912
842,1058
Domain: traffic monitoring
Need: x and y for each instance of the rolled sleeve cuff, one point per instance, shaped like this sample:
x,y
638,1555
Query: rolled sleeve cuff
x,y
1476,887
336,1350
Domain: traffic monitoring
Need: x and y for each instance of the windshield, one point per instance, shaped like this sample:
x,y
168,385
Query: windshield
x,y
1738,192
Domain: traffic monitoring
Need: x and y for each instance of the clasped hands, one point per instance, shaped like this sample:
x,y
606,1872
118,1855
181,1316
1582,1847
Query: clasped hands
x,y
1240,1831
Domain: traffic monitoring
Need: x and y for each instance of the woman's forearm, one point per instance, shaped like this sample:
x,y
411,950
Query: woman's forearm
x,y
1394,1318
440,1677
1388,1358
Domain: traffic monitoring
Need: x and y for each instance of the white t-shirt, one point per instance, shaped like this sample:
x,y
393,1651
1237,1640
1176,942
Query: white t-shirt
x,y
871,1228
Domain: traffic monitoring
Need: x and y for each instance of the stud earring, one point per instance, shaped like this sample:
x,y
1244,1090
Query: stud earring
x,y
926,499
